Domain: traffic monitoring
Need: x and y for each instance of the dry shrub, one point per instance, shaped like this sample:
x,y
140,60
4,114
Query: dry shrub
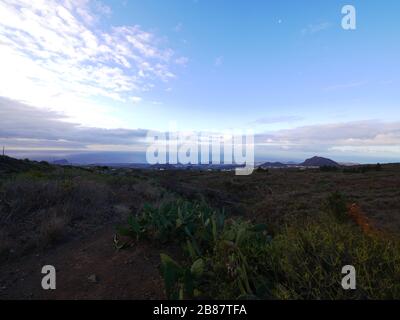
x,y
147,190
53,229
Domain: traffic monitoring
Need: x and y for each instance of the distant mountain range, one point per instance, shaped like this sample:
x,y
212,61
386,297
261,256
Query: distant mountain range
x,y
9,165
273,165
319,162
61,162
311,162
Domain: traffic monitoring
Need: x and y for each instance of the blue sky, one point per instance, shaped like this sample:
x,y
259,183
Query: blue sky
x,y
286,69
278,59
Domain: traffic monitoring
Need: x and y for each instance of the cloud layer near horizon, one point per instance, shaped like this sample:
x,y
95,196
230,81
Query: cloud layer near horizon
x,y
29,129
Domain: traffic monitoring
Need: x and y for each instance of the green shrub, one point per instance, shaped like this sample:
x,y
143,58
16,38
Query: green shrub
x,y
176,220
235,259
306,262
181,282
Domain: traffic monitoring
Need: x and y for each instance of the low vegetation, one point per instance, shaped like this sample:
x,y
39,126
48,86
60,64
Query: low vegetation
x,y
43,205
277,234
237,259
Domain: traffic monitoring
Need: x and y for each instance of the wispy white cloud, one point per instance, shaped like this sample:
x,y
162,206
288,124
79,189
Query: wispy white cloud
x,y
135,99
55,54
315,28
182,61
102,8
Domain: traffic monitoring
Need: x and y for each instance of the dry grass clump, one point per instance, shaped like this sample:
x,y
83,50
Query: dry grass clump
x,y
53,229
359,218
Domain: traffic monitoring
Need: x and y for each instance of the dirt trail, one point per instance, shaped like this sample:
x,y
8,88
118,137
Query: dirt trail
x,y
88,268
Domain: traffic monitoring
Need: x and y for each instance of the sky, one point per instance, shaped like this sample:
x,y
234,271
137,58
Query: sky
x,y
80,76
